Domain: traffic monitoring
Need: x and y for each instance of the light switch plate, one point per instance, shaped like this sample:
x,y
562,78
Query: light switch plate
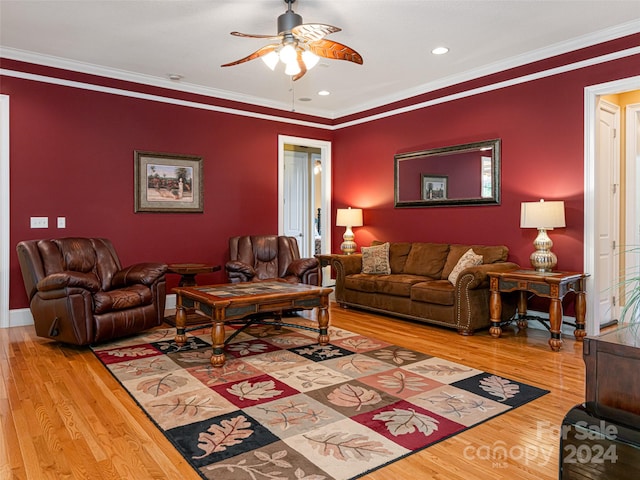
x,y
39,222
62,222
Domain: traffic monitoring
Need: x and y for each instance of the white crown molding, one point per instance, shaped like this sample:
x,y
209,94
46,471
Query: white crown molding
x,y
577,43
128,76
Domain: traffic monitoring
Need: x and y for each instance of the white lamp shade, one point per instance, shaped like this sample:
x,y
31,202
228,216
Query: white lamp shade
x,y
271,59
349,217
542,214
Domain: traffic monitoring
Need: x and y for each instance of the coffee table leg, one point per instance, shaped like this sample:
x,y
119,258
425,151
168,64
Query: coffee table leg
x,y
217,342
181,320
323,324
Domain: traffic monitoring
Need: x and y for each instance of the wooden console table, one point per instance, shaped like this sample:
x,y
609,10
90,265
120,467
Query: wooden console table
x,y
552,285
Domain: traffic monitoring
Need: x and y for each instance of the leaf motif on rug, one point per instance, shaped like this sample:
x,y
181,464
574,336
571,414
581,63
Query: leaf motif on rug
x,y
163,385
360,344
257,470
441,370
402,422
254,391
457,404
218,437
399,382
289,414
246,348
358,364
198,356
399,356
353,396
190,406
131,352
311,376
499,387
344,445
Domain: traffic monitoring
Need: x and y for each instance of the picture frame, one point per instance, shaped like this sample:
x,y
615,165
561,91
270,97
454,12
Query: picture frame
x,y
434,187
165,182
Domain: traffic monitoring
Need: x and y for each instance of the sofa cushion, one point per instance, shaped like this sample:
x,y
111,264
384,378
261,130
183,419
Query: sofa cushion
x,y
375,260
361,282
441,292
469,259
398,284
490,254
427,259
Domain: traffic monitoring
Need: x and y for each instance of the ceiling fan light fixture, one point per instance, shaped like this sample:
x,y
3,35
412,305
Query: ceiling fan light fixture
x,y
292,68
310,59
288,54
271,59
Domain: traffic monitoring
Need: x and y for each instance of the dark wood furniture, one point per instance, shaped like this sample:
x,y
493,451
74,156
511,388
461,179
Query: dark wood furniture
x,y
552,285
188,272
247,304
601,437
612,362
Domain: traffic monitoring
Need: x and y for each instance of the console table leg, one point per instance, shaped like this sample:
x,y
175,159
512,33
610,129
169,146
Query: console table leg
x,y
581,310
555,321
495,311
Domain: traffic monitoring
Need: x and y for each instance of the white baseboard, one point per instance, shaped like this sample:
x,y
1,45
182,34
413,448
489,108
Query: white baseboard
x,y
20,317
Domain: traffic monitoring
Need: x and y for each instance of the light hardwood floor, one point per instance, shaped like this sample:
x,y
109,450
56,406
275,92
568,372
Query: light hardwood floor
x,y
63,416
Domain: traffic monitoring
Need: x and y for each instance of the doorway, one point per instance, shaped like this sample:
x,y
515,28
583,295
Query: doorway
x,y
595,187
304,193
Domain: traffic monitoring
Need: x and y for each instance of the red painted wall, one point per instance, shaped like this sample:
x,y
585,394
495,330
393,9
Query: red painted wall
x,y
541,124
72,155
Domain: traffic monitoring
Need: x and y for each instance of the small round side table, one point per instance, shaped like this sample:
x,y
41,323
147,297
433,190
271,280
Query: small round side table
x,y
188,272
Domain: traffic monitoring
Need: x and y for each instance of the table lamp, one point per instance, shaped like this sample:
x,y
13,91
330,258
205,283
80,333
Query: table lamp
x,y
348,217
543,216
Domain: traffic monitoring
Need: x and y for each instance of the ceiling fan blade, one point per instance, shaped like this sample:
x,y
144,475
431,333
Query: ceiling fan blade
x,y
252,35
335,50
257,54
303,68
310,32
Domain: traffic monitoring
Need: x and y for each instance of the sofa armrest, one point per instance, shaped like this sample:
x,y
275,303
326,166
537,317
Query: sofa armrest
x,y
302,265
478,277
62,280
345,265
145,273
239,271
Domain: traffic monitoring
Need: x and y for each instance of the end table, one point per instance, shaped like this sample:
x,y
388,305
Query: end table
x,y
188,272
552,285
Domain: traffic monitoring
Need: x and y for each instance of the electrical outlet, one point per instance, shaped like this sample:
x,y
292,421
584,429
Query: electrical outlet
x,y
39,222
62,222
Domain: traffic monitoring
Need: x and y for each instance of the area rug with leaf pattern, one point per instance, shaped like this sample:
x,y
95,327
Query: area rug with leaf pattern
x,y
284,407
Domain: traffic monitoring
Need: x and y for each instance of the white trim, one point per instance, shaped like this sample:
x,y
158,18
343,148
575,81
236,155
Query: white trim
x,y
325,155
560,48
591,95
20,317
5,212
467,93
632,180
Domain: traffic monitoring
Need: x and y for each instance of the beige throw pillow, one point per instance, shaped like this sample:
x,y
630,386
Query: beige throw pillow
x,y
469,259
375,260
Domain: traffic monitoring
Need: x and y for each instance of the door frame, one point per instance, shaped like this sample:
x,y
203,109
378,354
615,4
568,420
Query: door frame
x,y
5,212
325,158
591,95
632,175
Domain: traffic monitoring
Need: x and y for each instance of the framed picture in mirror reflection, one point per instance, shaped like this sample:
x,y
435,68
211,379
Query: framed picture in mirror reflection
x,y
434,187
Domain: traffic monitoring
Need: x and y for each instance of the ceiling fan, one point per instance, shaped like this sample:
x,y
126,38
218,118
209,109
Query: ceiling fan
x,y
299,45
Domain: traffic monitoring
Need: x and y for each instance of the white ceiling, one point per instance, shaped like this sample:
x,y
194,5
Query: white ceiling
x,y
147,40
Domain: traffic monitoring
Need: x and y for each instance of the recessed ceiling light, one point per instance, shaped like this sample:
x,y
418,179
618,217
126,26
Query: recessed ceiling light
x,y
304,99
175,76
324,93
439,50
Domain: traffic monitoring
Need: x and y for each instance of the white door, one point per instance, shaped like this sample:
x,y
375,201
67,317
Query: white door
x,y
296,200
607,210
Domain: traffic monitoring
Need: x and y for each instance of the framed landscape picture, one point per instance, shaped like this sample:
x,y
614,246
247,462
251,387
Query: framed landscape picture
x,y
166,182
434,187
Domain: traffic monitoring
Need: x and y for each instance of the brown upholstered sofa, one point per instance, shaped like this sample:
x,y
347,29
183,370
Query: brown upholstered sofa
x,y
261,257
418,287
80,294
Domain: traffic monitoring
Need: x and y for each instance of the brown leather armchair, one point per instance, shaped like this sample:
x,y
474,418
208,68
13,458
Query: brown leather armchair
x,y
261,257
79,293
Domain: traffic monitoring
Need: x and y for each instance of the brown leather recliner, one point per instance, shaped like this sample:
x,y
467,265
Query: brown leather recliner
x,y
79,293
262,257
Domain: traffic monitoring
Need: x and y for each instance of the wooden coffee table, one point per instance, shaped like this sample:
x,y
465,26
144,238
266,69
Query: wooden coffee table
x,y
248,304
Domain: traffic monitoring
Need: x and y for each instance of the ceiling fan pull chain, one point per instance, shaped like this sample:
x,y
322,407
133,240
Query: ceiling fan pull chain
x,y
293,94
